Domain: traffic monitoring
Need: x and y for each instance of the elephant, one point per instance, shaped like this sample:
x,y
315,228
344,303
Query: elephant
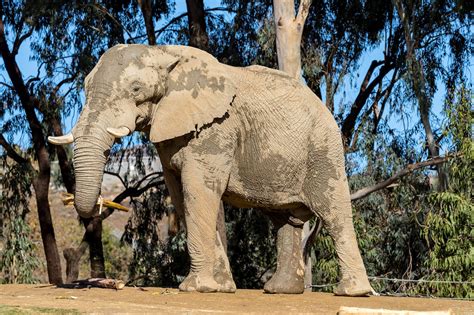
x,y
250,136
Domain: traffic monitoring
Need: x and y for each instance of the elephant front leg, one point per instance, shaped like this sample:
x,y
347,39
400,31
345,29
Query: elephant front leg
x,y
202,196
222,273
289,275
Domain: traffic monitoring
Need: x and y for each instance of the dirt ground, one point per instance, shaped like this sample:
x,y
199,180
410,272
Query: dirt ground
x,y
27,299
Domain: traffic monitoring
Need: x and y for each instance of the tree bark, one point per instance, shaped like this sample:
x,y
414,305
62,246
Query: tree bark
x,y
198,36
41,182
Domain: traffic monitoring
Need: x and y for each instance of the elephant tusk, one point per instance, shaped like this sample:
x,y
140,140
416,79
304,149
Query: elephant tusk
x,y
66,139
119,132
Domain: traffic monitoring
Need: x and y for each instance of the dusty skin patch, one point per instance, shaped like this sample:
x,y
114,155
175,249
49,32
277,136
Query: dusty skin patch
x,y
170,301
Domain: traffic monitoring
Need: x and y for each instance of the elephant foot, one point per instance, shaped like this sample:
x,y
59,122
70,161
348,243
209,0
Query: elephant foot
x,y
199,283
226,285
354,287
285,283
225,281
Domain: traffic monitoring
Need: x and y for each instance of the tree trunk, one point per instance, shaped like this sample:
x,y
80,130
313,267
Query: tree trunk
x,y
146,8
41,182
93,237
289,30
53,261
197,25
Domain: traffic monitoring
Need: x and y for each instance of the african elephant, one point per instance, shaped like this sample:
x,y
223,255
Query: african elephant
x,y
253,137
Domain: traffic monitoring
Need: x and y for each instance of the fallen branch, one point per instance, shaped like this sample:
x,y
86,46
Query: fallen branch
x,y
361,193
100,283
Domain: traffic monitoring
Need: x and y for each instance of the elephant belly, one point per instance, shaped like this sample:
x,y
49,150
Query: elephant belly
x,y
265,183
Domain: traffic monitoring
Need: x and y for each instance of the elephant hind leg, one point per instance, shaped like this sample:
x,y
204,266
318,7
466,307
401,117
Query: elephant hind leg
x,y
333,206
289,275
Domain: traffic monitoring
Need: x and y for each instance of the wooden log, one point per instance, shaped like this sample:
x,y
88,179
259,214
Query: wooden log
x,y
101,283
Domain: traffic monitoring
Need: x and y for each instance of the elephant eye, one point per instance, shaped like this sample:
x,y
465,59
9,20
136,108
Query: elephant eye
x,y
136,86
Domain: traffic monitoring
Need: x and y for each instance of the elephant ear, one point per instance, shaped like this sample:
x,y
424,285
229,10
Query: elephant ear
x,y
198,91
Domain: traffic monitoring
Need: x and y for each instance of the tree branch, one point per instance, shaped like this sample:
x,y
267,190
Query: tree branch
x,y
64,81
364,93
11,152
107,13
303,10
19,40
118,176
361,193
7,85
352,147
386,94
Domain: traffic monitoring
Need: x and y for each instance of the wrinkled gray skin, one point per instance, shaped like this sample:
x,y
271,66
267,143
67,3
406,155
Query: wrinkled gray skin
x,y
253,137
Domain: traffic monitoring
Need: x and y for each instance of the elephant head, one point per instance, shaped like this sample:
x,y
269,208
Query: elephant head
x,y
139,87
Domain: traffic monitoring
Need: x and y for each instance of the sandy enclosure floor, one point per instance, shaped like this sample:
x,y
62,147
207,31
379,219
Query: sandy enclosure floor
x,y
44,298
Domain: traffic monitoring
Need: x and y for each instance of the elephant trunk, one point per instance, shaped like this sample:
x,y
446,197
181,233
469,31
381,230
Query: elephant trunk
x,y
90,155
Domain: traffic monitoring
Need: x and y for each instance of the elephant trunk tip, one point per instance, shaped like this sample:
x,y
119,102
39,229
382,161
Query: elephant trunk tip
x,y
86,208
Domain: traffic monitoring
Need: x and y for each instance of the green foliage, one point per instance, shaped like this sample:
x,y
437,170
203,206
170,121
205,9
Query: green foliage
x,y
449,224
17,253
325,267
